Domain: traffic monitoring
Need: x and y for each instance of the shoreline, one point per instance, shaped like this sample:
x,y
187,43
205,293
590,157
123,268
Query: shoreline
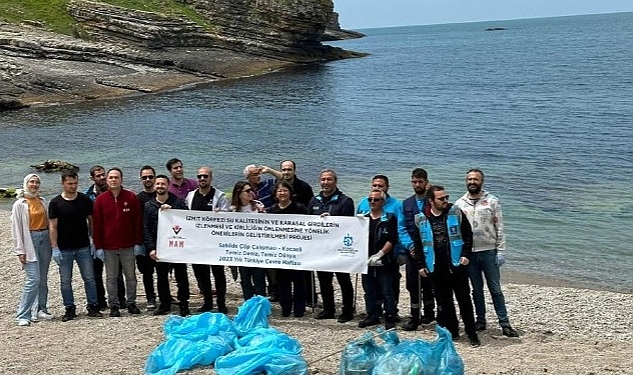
x,y
563,330
508,276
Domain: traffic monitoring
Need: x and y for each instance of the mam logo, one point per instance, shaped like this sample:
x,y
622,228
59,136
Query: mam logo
x,y
348,240
176,228
176,243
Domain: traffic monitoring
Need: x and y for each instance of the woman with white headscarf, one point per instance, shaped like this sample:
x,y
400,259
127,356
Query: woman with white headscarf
x,y
29,233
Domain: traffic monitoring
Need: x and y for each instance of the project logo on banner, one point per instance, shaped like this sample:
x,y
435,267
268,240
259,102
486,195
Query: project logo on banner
x,y
300,242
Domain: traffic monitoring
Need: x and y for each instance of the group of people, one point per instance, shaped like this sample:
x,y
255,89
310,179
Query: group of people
x,y
445,247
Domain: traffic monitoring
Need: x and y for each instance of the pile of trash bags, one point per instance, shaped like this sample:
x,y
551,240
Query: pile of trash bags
x,y
243,346
364,356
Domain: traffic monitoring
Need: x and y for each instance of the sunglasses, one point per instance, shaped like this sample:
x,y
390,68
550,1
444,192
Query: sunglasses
x,y
444,198
370,200
202,176
147,177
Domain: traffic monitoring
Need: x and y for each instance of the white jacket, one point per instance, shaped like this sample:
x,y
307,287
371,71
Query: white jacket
x,y
486,220
219,203
20,233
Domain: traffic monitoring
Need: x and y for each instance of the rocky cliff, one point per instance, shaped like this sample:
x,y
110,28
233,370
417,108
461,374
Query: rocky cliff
x,y
123,51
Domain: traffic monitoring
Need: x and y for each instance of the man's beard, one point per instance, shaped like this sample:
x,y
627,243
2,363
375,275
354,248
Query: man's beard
x,y
474,188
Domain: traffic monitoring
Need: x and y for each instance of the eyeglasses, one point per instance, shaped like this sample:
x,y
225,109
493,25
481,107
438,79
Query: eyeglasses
x,y
202,176
249,190
444,198
147,177
370,199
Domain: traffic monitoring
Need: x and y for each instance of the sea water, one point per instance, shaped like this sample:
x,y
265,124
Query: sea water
x,y
544,107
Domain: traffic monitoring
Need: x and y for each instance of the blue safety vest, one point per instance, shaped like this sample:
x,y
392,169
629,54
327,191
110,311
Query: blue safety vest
x,y
453,226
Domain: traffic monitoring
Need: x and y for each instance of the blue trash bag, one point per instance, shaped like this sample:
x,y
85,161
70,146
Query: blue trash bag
x,y
252,314
360,355
407,358
270,338
264,350
176,354
445,360
196,340
198,326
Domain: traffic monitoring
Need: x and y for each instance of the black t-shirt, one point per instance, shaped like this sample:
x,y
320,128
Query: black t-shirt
x,y
145,197
293,208
203,202
72,224
440,242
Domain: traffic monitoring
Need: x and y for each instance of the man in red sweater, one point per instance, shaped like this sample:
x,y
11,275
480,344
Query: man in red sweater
x,y
118,235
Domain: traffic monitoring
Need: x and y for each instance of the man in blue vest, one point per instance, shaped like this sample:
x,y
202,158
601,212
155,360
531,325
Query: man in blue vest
x,y
416,284
392,206
443,247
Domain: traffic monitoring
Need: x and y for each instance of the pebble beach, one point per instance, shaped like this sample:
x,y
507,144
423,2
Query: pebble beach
x,y
564,330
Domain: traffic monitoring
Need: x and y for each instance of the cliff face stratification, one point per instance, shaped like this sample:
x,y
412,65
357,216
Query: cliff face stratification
x,y
123,51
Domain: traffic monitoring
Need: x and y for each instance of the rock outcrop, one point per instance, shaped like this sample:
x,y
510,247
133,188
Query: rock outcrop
x,y
125,51
333,30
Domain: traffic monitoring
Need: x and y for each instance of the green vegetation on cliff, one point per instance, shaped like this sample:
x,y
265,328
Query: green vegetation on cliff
x,y
52,13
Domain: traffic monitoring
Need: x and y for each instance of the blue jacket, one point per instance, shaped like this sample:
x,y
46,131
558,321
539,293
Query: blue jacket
x,y
460,238
392,206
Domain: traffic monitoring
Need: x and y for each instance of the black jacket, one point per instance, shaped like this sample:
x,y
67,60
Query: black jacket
x,y
150,218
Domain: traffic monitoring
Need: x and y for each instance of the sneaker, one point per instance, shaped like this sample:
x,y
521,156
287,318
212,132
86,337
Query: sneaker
x,y
162,309
368,322
43,315
132,309
151,304
412,325
206,307
93,311
324,315
24,322
35,319
344,318
69,314
115,312
427,319
509,331
480,326
473,339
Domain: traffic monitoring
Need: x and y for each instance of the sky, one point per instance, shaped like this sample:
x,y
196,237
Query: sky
x,y
358,14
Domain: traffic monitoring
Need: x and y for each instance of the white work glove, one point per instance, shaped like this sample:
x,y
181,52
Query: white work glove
x,y
57,255
99,254
501,259
374,259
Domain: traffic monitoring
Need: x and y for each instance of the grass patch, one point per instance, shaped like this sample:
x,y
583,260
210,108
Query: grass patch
x,y
52,13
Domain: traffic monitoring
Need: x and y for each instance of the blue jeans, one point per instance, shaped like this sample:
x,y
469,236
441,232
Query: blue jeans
x,y
36,278
377,283
485,262
127,260
84,262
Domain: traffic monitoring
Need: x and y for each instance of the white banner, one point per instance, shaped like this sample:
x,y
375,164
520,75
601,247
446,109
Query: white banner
x,y
299,242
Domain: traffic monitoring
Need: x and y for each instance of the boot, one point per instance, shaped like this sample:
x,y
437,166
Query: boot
x,y
93,311
184,309
206,306
70,314
414,321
